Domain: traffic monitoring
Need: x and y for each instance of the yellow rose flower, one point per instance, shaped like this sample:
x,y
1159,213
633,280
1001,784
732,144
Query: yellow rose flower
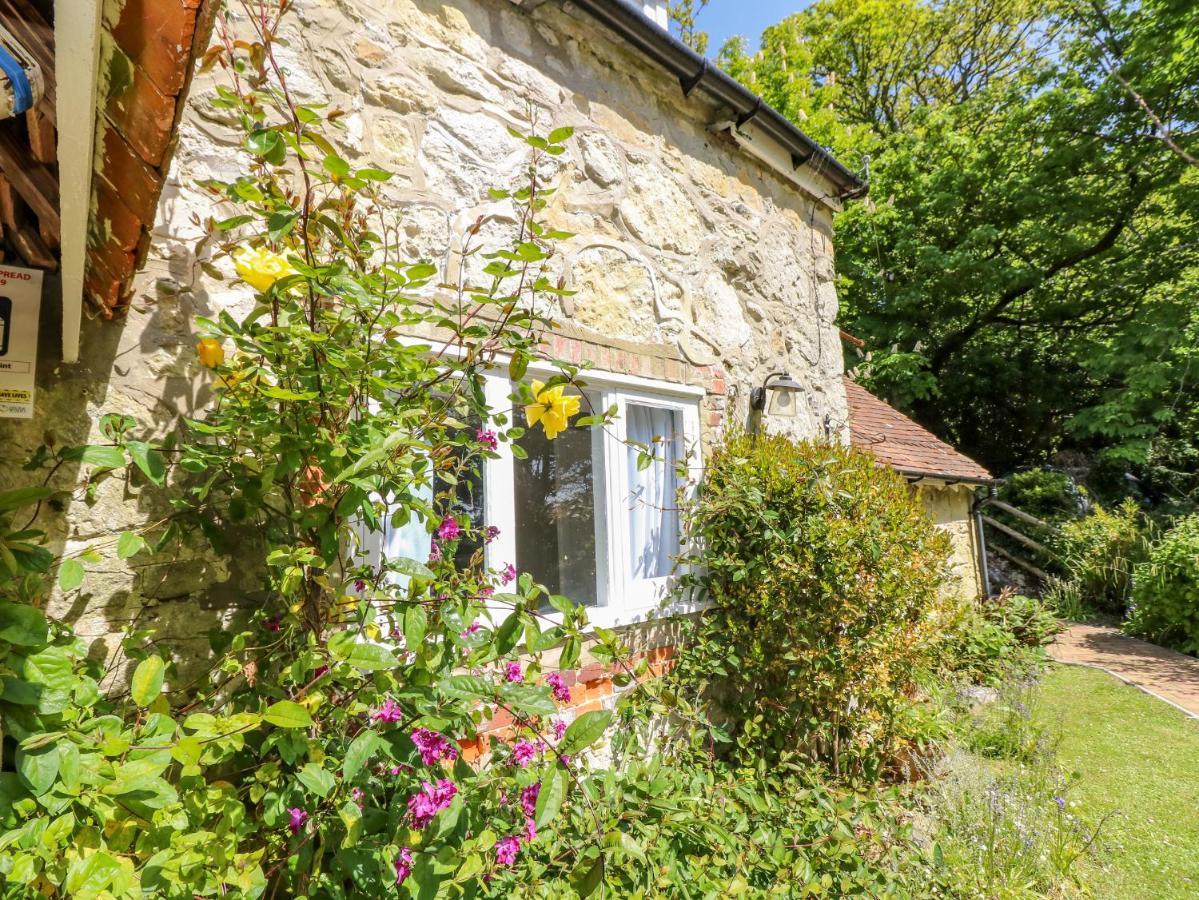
x,y
553,409
211,353
259,267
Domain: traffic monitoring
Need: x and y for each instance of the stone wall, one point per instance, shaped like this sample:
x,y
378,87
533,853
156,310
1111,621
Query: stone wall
x,y
692,260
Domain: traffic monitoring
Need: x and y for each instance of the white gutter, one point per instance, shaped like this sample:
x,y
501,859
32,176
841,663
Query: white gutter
x,y
76,63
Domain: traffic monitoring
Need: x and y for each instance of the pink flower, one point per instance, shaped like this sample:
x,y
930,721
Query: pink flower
x,y
559,729
490,534
486,438
530,831
561,691
523,753
430,800
357,795
320,671
298,818
433,746
486,591
449,529
508,575
434,552
360,585
513,673
471,629
528,798
506,850
403,865
271,624
389,712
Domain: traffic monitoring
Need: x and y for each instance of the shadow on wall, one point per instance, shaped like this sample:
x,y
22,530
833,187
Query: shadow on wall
x,y
140,364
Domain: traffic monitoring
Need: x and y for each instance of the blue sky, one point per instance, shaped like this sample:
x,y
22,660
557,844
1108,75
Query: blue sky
x,y
724,18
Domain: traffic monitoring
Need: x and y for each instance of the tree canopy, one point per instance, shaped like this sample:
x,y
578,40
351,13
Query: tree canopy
x,y
1025,269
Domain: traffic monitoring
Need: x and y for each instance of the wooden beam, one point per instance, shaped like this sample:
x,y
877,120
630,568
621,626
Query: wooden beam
x,y
33,249
1018,513
43,140
11,208
32,180
1017,561
1017,536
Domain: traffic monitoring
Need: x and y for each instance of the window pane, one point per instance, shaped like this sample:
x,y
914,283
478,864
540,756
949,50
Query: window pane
x,y
653,500
555,497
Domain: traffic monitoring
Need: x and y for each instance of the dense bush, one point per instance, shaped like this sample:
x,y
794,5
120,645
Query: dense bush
x,y
990,637
1165,593
1044,493
1098,552
825,580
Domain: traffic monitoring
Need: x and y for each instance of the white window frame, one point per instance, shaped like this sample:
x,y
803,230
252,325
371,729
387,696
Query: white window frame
x,y
621,600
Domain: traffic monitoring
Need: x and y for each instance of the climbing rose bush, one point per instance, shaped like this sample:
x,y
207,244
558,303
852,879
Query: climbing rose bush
x,y
320,753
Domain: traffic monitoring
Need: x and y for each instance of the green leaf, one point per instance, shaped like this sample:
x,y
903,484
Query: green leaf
x,y
23,625
148,460
286,714
105,457
130,544
187,751
417,571
38,768
317,779
416,621
361,749
336,166
70,574
585,731
26,496
558,135
549,800
467,687
371,657
90,876
147,680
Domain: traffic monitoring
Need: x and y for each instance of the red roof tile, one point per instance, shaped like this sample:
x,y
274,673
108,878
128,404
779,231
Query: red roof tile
x,y
898,442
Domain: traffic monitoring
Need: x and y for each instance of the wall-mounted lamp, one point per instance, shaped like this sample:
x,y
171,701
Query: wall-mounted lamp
x,y
782,389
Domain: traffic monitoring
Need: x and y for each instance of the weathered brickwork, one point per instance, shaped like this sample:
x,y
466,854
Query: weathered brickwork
x,y
692,261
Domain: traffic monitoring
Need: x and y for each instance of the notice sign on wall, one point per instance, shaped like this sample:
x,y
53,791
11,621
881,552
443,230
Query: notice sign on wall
x,y
20,305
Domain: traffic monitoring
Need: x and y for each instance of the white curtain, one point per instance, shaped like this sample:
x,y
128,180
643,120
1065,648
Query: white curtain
x,y
653,505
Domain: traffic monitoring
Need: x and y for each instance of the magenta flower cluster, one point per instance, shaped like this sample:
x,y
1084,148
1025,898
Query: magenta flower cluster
x,y
389,712
490,534
513,673
449,529
297,819
523,752
559,728
508,575
506,850
560,690
403,865
430,800
486,438
433,746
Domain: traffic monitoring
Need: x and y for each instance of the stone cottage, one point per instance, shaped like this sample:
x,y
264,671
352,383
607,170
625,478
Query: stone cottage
x,y
703,261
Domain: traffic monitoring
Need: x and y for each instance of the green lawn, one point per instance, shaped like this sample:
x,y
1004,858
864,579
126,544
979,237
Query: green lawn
x,y
1139,757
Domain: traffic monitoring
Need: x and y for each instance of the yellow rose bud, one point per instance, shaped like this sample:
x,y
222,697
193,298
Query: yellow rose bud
x,y
259,267
211,353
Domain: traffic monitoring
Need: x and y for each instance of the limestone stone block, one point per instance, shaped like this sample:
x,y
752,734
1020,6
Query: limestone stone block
x,y
616,294
658,211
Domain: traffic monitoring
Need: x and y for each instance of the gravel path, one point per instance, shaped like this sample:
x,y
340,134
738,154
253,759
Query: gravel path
x,y
1166,674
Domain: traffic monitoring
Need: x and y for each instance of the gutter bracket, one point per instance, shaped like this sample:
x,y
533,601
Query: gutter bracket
x,y
799,159
692,82
753,111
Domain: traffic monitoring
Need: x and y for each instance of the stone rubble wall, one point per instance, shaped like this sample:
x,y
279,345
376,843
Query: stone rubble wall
x,y
692,260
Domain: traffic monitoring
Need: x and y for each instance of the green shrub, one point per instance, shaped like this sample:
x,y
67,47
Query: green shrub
x,y
1099,551
1043,493
988,640
1165,593
825,579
